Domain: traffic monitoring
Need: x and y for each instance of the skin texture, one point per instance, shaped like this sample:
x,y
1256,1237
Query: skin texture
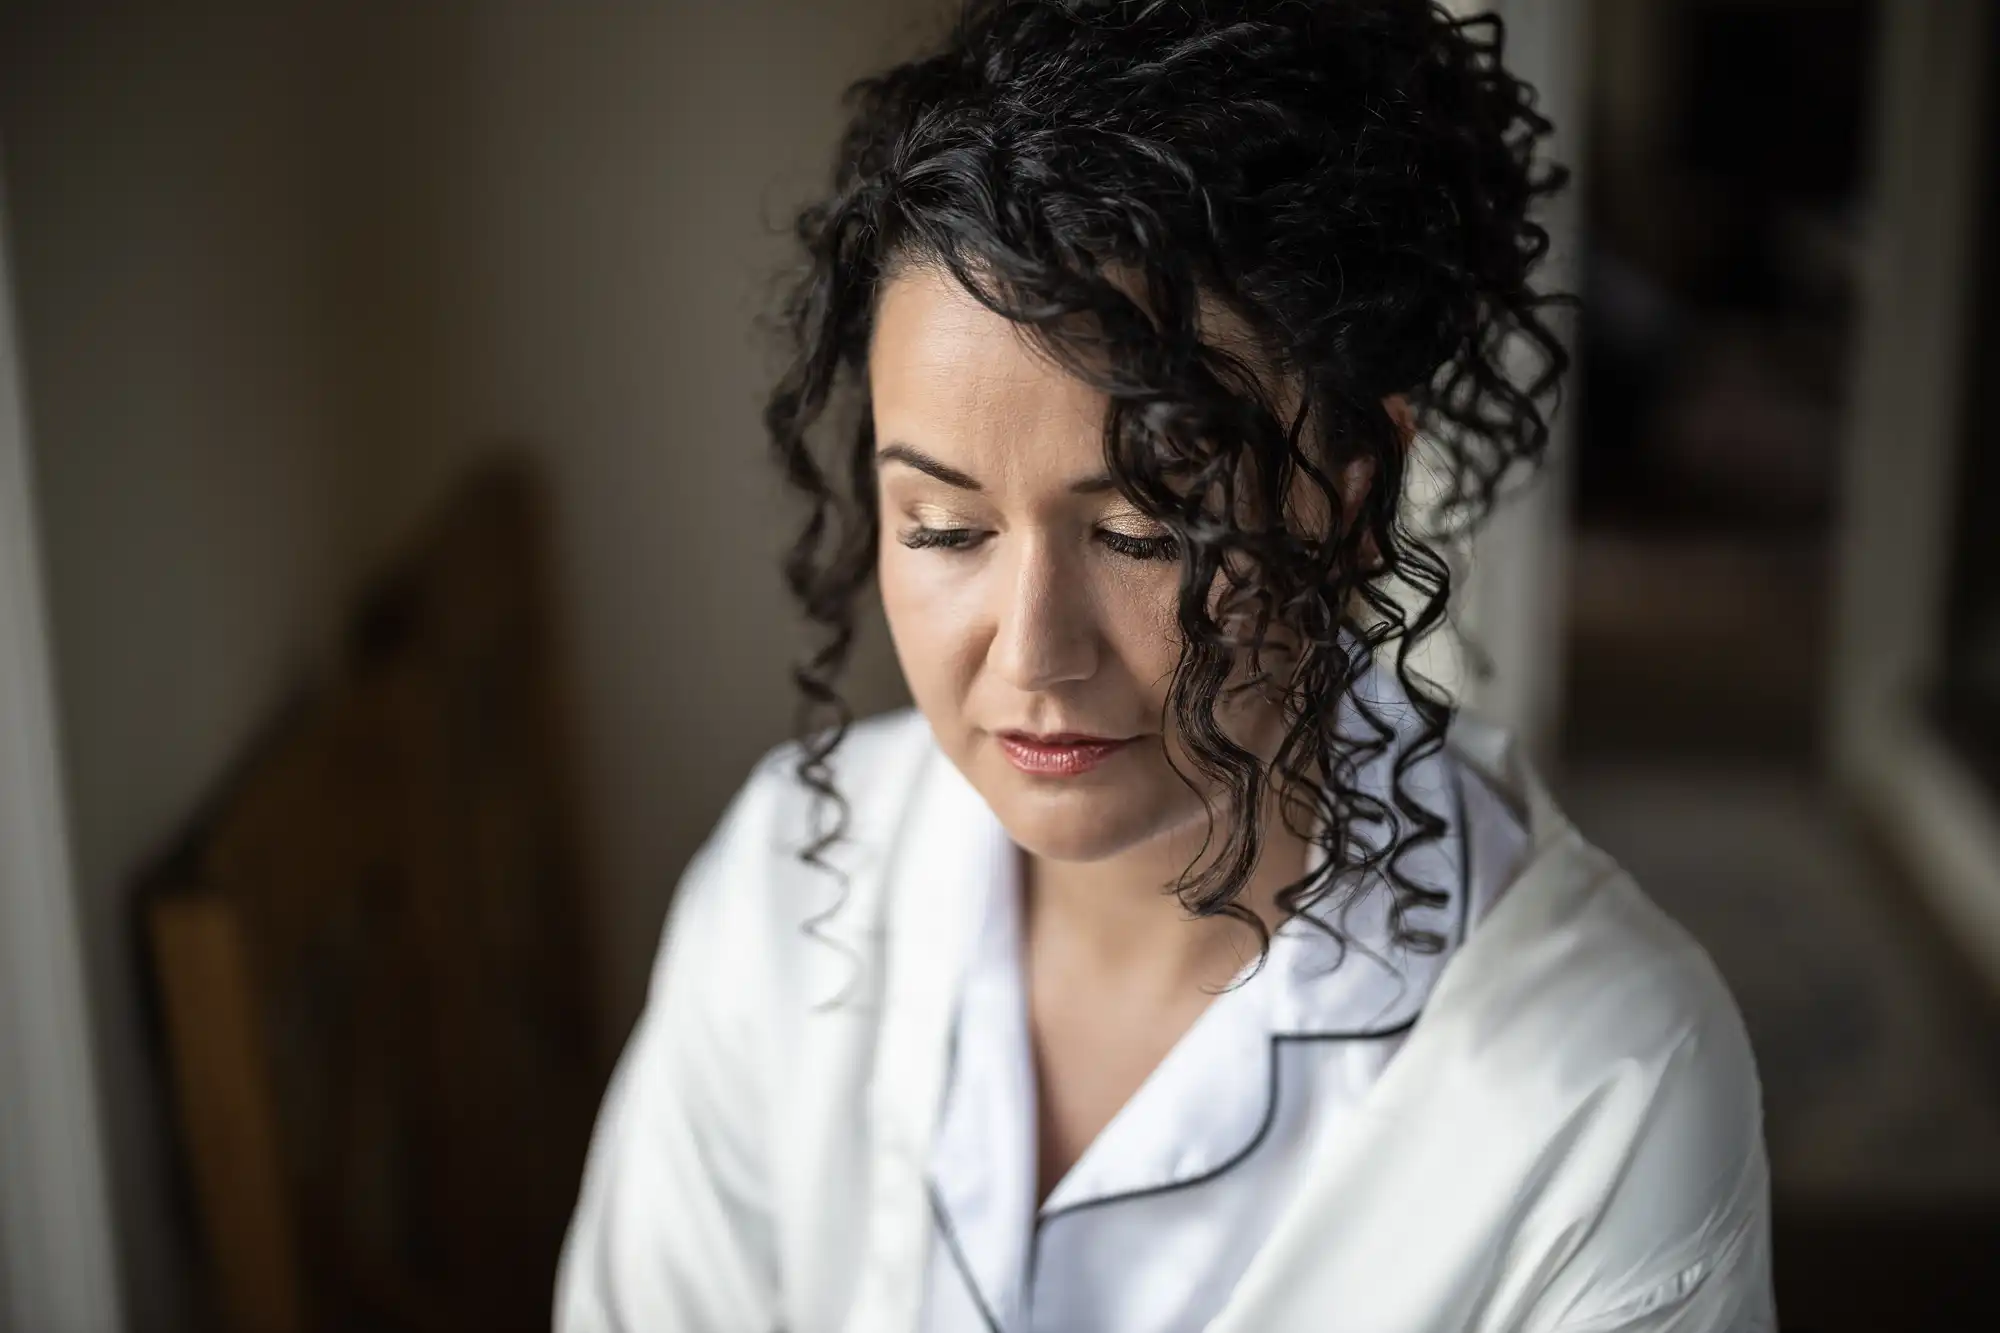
x,y
1051,608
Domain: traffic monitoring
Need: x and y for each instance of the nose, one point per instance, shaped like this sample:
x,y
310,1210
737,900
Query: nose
x,y
1045,625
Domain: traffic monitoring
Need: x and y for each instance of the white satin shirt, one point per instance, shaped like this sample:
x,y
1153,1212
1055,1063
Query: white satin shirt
x,y
1153,1225
823,1118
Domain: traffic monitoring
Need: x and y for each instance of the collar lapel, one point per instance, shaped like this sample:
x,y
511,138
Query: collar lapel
x,y
1366,984
944,849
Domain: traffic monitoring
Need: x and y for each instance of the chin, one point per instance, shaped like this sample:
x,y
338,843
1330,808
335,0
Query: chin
x,y
1081,823
1079,841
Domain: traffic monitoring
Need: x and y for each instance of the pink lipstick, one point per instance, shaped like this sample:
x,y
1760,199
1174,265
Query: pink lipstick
x,y
1059,755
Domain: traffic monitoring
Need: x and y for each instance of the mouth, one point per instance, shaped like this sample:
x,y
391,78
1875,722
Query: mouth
x,y
1061,754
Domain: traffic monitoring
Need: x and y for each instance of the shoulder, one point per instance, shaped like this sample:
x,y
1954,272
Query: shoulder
x,y
1644,1015
1600,1030
750,891
1575,977
1638,987
871,768
1679,1196
1578,964
1579,981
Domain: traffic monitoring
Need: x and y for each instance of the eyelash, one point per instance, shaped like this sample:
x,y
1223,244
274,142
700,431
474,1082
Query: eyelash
x,y
962,539
1141,548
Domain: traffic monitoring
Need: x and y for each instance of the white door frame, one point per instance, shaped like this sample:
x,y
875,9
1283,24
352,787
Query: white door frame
x,y
1517,605
57,1267
1513,604
1904,422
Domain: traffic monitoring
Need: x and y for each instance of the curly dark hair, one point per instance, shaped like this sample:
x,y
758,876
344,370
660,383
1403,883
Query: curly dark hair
x,y
1353,181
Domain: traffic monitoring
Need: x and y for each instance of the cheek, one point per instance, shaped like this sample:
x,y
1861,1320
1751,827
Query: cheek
x,y
931,622
1253,718
902,601
1143,621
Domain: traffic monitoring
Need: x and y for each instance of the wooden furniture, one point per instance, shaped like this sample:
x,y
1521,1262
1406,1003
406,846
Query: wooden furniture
x,y
370,962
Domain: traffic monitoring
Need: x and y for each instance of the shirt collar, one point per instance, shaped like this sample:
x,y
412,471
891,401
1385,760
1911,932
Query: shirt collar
x,y
1362,977
1208,1102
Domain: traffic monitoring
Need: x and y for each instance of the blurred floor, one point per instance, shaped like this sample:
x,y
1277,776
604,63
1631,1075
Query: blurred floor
x,y
1690,758
1708,644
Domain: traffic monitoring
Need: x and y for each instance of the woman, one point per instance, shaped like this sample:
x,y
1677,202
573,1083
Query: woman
x,y
1181,960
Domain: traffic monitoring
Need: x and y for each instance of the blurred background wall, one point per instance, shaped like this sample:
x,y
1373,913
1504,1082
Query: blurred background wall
x,y
55,1227
1774,706
279,269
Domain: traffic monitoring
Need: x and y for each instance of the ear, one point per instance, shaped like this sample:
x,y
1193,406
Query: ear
x,y
1399,410
1356,476
1359,474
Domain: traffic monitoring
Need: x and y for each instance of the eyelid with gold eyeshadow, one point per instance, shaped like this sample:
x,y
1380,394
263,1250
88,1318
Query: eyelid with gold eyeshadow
x,y
1163,546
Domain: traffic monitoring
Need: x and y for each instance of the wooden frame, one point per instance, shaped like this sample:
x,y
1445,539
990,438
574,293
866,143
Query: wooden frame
x,y
371,964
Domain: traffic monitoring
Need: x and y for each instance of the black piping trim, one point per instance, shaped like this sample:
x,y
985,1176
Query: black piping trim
x,y
1237,1158
1242,1154
1271,1090
1464,854
950,1237
1277,1039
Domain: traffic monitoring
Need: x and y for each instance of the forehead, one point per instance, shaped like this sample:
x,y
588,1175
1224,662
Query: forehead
x,y
953,378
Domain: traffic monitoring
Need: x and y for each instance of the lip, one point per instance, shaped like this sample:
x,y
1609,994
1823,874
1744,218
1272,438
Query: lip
x,y
1062,754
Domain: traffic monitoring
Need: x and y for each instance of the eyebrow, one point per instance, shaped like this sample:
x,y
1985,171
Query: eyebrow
x,y
951,476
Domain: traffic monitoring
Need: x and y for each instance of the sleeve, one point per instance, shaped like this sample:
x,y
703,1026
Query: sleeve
x,y
1682,1244
672,1231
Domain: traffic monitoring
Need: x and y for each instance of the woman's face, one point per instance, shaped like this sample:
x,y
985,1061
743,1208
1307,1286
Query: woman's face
x,y
1026,597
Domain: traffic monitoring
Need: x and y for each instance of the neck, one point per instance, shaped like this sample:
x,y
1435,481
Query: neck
x,y
1119,918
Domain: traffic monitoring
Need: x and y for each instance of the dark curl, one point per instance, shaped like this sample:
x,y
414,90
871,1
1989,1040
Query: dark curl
x,y
1350,183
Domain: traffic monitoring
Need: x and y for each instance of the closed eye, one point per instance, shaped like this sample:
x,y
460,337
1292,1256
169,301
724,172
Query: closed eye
x,y
921,538
945,539
1140,548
